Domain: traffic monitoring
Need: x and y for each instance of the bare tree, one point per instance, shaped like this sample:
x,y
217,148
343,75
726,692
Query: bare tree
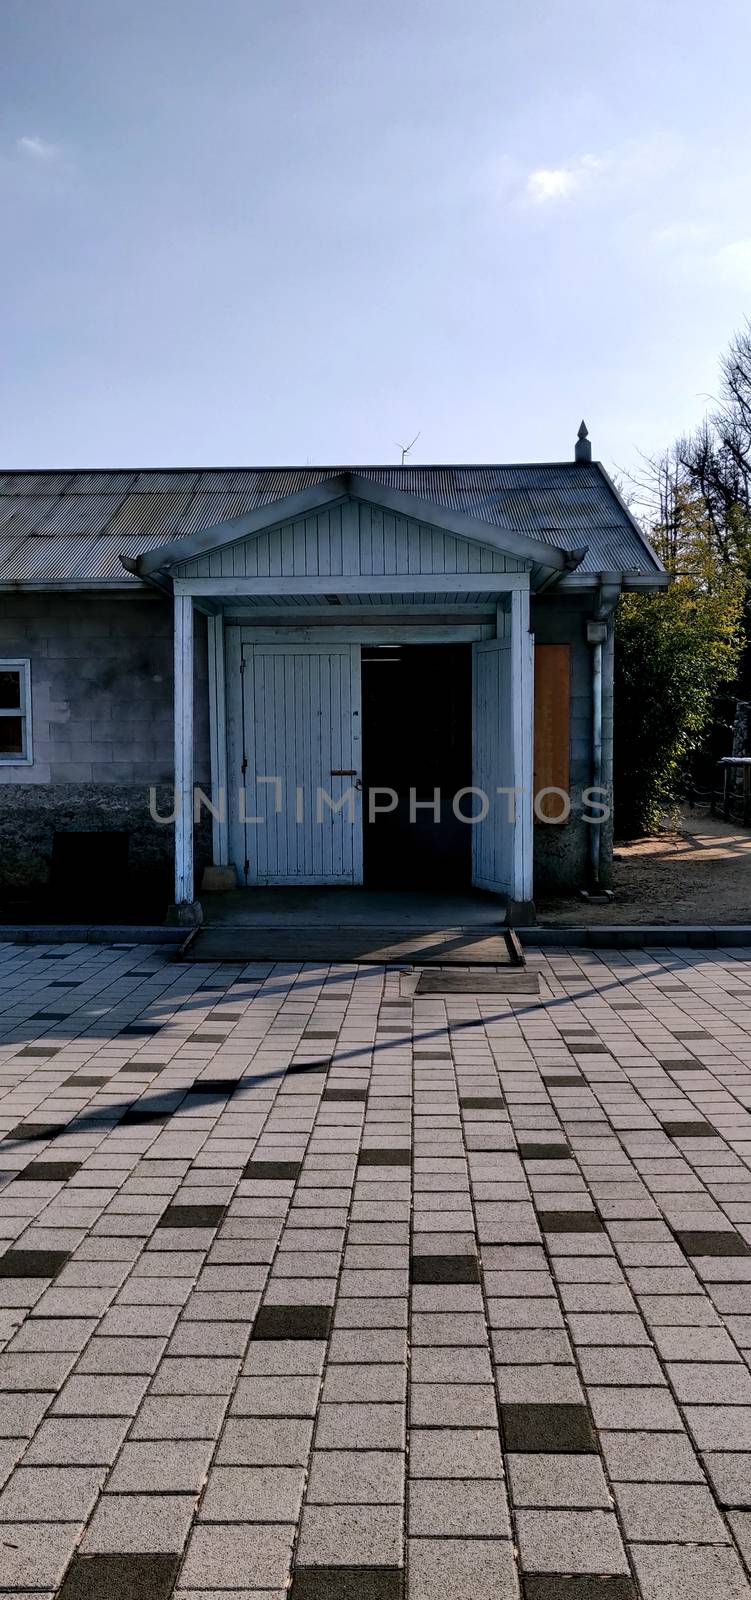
x,y
717,455
659,493
709,468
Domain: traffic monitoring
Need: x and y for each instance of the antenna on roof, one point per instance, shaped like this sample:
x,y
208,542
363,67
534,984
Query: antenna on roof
x,y
405,448
583,447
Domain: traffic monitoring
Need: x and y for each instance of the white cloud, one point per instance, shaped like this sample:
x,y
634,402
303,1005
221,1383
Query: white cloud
x,y
694,250
681,236
37,149
551,183
733,263
559,183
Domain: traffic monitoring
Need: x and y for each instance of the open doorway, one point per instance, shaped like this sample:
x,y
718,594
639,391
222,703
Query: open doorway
x,y
417,735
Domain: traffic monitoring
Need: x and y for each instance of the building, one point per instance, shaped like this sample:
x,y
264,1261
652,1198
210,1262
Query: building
x,y
375,674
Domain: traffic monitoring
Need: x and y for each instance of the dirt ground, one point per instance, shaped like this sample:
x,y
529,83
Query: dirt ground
x,y
700,873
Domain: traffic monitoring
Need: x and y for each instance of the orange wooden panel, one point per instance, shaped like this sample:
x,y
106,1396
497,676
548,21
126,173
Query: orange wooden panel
x,y
552,721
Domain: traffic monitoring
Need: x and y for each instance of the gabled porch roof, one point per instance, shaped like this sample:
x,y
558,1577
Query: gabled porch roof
x,y
542,560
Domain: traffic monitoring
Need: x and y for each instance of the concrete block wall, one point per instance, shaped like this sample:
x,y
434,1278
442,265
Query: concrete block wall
x,y
561,850
101,691
101,687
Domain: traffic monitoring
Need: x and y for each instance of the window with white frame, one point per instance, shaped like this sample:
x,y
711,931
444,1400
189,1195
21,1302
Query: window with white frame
x,y
15,711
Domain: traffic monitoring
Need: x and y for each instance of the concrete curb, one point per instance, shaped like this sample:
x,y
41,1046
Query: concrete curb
x,y
696,937
604,937
86,933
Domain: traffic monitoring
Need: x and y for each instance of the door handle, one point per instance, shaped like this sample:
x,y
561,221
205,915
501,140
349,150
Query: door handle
x,y
343,772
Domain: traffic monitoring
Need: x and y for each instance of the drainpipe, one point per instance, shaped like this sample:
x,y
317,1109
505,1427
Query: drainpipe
x,y
597,633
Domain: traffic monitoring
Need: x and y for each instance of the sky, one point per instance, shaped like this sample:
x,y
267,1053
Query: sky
x,y
239,232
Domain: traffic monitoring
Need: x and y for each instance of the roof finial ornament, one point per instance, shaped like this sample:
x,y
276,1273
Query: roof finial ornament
x,y
583,449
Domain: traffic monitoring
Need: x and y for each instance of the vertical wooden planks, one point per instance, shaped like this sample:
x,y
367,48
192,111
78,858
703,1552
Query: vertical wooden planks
x,y
346,539
218,740
302,724
183,726
522,701
492,763
552,719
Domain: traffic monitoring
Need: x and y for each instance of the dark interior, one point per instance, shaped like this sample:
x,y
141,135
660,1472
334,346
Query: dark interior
x,y
417,733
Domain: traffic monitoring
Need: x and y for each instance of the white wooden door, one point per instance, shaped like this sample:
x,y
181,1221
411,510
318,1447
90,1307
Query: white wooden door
x,y
302,743
492,764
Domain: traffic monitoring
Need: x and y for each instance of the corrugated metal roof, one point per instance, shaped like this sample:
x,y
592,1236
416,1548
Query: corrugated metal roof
x,y
73,526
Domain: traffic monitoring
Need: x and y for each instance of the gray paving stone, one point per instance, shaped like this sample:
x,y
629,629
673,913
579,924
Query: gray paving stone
x,y
675,1571
454,1453
35,1555
121,1356
351,1535
77,1441
447,1328
20,1414
448,1364
646,1408
139,1523
465,1569
161,1466
258,1494
95,1396
360,1427
678,1511
538,1385
168,1417
650,1457
276,1397
384,1381
576,1481
284,1358
720,1427
237,1594
618,1365
265,1441
694,1344
729,1473
230,1555
363,1477
710,1383
456,1508
459,1405
50,1494
368,1344
570,1541
740,1523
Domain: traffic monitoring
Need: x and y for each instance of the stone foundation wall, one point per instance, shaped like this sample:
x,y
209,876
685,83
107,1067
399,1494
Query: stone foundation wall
x,y
30,817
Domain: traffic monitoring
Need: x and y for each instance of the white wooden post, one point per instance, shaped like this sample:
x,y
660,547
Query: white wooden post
x,y
183,701
522,693
218,741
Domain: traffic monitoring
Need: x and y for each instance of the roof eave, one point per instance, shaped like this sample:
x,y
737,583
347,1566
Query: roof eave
x,y
643,582
114,585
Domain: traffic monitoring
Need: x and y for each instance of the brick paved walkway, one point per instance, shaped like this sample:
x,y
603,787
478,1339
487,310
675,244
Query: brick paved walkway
x,y
279,1242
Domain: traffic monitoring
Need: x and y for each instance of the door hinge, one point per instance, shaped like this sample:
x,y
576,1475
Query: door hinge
x,y
242,665
244,766
246,870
